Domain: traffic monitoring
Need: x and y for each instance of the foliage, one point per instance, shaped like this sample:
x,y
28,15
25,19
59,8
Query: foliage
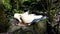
x,y
3,21
48,8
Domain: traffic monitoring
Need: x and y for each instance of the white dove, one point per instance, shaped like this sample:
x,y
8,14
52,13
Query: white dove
x,y
29,18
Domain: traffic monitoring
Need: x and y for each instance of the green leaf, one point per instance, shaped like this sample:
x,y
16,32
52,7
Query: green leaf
x,y
7,4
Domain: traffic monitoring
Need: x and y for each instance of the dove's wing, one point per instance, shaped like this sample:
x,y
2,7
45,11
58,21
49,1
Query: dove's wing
x,y
26,13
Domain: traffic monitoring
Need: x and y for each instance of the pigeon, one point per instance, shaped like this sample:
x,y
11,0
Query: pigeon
x,y
29,18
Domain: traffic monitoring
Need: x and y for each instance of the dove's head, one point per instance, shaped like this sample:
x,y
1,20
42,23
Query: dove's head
x,y
18,20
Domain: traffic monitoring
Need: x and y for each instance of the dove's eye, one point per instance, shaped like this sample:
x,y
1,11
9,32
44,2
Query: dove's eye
x,y
16,21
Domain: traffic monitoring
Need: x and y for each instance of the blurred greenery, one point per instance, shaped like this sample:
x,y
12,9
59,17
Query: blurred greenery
x,y
48,8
